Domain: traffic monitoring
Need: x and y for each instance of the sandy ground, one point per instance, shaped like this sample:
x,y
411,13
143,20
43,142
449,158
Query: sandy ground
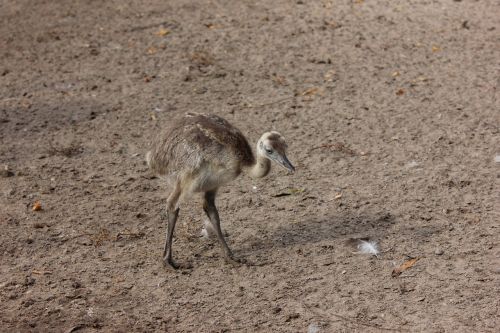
x,y
391,112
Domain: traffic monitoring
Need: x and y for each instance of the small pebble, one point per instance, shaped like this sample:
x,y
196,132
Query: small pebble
x,y
6,173
497,159
438,252
313,328
292,316
412,164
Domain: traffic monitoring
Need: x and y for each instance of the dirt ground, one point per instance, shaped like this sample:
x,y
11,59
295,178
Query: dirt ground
x,y
391,112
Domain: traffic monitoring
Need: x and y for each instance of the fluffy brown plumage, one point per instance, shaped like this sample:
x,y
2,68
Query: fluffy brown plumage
x,y
197,143
200,153
196,138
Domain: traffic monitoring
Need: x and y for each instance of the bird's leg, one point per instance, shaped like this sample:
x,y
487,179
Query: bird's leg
x,y
167,251
172,214
212,213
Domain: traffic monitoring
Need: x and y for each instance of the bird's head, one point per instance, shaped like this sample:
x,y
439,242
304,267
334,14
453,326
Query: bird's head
x,y
272,145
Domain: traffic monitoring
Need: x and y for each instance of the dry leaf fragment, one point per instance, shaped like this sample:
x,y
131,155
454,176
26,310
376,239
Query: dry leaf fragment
x,y
332,24
436,48
396,73
278,79
162,32
329,76
152,50
212,26
338,196
310,91
400,92
100,237
202,59
407,264
131,235
37,206
40,272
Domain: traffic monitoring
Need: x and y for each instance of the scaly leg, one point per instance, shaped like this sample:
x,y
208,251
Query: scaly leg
x,y
213,215
172,214
167,251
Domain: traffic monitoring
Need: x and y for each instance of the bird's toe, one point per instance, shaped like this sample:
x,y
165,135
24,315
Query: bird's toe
x,y
169,263
236,261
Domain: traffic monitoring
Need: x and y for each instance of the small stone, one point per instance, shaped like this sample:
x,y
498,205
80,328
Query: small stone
x,y
438,252
292,316
29,281
76,284
201,90
468,199
412,164
313,328
497,159
6,173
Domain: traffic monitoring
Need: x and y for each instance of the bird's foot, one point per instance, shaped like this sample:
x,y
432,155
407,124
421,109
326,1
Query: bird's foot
x,y
170,263
230,259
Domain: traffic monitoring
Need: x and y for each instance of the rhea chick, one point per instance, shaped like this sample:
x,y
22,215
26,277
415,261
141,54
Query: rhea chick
x,y
200,153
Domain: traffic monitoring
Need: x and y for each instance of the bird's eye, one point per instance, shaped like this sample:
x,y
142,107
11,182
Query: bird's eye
x,y
269,151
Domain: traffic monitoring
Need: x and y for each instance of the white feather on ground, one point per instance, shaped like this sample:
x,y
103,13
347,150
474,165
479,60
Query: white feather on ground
x,y
368,247
208,231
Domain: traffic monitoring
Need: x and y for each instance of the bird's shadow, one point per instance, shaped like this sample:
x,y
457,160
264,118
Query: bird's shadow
x,y
329,228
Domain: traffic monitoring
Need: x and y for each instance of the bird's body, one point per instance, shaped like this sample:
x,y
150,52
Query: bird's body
x,y
203,152
200,153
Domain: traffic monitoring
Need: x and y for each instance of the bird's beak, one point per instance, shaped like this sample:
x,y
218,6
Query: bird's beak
x,y
283,160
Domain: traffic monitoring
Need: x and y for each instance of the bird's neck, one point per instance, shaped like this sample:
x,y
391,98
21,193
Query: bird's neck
x,y
261,167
